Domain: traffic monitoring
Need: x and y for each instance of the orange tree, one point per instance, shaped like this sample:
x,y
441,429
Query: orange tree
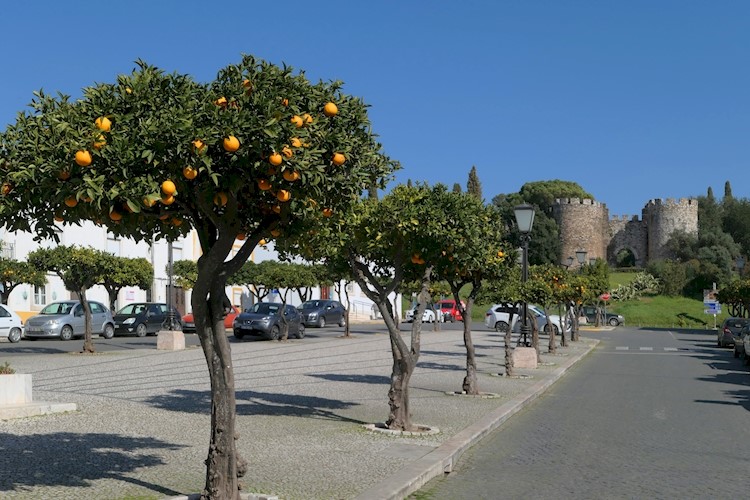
x,y
253,154
79,269
506,291
472,252
120,272
14,273
386,243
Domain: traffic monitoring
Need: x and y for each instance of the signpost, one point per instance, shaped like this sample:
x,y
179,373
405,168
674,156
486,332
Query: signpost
x,y
710,304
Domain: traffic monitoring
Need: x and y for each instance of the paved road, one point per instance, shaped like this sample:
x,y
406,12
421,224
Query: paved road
x,y
649,414
128,343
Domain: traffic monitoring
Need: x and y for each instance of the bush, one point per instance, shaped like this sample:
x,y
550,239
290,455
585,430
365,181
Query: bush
x,y
6,369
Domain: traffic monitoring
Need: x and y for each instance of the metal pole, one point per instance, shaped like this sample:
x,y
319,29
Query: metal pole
x,y
524,277
170,315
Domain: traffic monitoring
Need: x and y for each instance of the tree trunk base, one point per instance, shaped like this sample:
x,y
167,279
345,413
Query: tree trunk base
x,y
417,430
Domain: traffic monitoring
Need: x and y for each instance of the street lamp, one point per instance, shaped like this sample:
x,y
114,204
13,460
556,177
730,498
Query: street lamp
x,y
525,220
569,262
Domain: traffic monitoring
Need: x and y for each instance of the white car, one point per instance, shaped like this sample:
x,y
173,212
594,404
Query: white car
x,y
427,317
497,318
11,325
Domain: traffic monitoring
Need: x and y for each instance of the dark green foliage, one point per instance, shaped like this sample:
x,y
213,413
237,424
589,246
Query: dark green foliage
x,y
473,186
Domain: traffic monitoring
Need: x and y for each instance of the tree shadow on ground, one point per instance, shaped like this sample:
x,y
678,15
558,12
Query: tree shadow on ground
x,y
362,379
429,365
45,460
257,403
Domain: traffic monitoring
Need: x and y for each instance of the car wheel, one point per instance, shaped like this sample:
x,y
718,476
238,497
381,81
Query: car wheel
x,y
66,333
109,331
14,335
342,321
321,322
719,344
501,326
275,333
238,335
140,330
613,322
301,331
747,359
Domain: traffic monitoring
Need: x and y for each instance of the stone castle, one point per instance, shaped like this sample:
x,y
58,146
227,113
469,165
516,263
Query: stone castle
x,y
586,225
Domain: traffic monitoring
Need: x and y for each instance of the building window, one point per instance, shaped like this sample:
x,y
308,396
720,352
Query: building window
x,y
40,295
8,250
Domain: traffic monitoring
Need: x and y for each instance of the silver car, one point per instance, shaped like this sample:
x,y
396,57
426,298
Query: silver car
x,y
66,320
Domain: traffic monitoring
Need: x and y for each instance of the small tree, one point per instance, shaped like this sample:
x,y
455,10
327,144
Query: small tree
x,y
185,273
473,186
120,272
506,291
79,269
14,273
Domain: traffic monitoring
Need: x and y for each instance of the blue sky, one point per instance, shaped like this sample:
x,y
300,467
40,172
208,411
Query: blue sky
x,y
632,100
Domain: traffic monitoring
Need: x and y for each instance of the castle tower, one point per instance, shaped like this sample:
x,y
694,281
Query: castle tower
x,y
583,225
663,217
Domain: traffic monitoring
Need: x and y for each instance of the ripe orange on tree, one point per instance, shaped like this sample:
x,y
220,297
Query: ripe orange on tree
x,y
231,144
220,199
221,102
327,212
264,185
103,123
338,159
189,173
276,209
58,217
176,222
115,216
307,118
287,152
168,187
241,236
167,199
262,242
285,102
298,121
330,109
274,159
199,146
296,143
63,175
283,195
148,202
248,85
291,175
71,201
83,158
275,233
99,142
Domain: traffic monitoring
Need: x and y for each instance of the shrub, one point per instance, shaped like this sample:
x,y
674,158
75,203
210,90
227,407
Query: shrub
x,y
6,369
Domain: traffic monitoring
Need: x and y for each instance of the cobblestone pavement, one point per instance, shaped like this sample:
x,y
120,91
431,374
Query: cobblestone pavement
x,y
142,425
649,415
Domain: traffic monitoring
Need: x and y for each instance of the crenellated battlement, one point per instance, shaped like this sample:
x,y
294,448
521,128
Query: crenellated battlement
x,y
586,224
579,201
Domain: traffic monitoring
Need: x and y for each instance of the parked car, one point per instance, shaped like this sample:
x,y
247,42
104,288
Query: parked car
x,y
143,318
449,309
730,331
497,316
746,347
611,319
188,320
322,312
739,343
11,325
264,319
428,316
65,319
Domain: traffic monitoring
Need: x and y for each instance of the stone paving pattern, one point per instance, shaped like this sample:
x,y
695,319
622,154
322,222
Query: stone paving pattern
x,y
142,425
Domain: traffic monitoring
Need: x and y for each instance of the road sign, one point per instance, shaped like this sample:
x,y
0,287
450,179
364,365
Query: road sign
x,y
605,296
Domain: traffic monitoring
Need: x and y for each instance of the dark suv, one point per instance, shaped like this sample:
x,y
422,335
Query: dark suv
x,y
610,318
144,318
729,333
322,312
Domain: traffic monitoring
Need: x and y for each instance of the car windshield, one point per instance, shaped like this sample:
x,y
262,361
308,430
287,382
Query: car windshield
x,y
264,308
312,304
58,308
132,309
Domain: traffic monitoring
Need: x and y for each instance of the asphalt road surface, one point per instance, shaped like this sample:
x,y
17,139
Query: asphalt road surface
x,y
649,414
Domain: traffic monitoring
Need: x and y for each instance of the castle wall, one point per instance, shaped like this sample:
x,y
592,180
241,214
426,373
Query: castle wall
x,y
665,216
628,233
583,226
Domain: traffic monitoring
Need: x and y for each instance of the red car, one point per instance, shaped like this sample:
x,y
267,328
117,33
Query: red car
x,y
188,322
450,310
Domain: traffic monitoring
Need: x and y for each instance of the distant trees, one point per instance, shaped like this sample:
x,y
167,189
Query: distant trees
x,y
473,186
14,273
